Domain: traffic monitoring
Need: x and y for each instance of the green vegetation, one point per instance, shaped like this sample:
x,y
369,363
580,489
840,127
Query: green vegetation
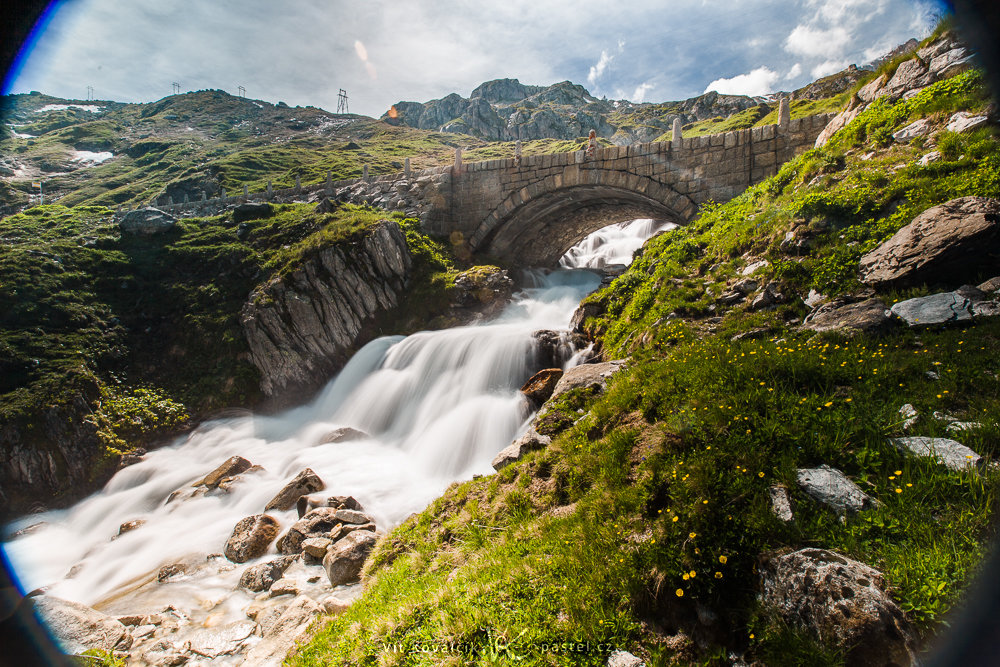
x,y
145,330
651,507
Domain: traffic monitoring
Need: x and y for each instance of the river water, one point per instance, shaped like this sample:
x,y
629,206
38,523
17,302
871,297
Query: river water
x,y
436,407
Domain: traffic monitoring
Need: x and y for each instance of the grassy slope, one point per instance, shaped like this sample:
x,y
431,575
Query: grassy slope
x,y
652,502
148,328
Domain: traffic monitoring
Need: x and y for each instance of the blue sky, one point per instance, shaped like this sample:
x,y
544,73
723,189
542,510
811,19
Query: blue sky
x,y
302,51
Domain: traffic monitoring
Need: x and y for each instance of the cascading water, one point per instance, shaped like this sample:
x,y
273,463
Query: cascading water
x,y
434,407
613,245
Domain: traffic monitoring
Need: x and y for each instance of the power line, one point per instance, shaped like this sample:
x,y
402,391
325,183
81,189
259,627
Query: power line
x,y
342,102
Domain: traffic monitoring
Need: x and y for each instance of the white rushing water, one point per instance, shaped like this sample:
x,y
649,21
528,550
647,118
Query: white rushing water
x,y
437,407
613,244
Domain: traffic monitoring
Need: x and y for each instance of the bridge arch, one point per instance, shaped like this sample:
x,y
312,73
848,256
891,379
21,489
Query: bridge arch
x,y
537,227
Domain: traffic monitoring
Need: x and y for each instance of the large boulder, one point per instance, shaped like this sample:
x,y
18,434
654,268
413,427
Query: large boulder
x,y
530,441
305,482
252,211
842,602
867,316
554,348
79,628
344,560
146,222
593,376
938,308
952,243
251,537
257,578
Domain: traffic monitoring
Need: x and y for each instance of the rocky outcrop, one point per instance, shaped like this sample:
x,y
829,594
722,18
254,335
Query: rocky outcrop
x,y
842,602
482,292
302,328
952,243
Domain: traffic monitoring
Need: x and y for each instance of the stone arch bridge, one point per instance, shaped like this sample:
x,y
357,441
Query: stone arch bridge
x,y
528,212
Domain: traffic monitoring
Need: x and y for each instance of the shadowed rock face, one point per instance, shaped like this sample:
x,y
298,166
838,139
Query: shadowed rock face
x,y
948,244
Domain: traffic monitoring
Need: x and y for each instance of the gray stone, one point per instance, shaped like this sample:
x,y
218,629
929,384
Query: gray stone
x,y
344,560
941,308
990,286
781,504
841,601
303,484
284,586
621,658
951,243
910,416
343,434
951,454
251,537
309,503
529,441
147,222
78,628
963,121
933,156
316,523
282,628
754,267
868,316
352,516
588,375
832,488
915,129
316,546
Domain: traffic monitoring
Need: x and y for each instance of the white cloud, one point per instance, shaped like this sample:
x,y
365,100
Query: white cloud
x,y
756,82
794,72
817,42
640,92
828,67
598,69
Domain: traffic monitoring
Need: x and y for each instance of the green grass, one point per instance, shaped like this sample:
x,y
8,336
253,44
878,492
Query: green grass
x,y
652,502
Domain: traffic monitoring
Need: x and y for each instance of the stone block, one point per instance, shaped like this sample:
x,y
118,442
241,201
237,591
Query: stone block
x,y
716,139
729,139
765,160
794,125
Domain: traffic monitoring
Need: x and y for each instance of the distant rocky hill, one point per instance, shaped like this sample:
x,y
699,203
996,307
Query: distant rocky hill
x,y
506,109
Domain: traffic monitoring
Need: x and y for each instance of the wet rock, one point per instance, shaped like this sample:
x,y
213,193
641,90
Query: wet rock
x,y
78,628
307,503
842,602
229,468
344,560
165,653
146,222
284,586
168,572
352,516
343,434
260,577
554,348
316,523
540,386
951,243
129,526
251,537
953,455
252,211
582,314
305,482
226,640
316,546
486,289
869,315
530,441
830,487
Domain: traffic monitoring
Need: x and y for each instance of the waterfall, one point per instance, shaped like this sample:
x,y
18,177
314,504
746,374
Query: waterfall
x,y
433,408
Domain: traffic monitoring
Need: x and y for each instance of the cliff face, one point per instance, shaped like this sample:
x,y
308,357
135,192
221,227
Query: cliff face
x,y
303,327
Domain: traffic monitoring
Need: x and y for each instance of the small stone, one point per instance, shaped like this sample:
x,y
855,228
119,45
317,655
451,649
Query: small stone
x,y
933,156
284,586
168,572
229,468
915,129
529,441
867,316
306,504
343,434
344,560
129,526
781,504
316,546
910,416
260,577
624,659
964,121
352,516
